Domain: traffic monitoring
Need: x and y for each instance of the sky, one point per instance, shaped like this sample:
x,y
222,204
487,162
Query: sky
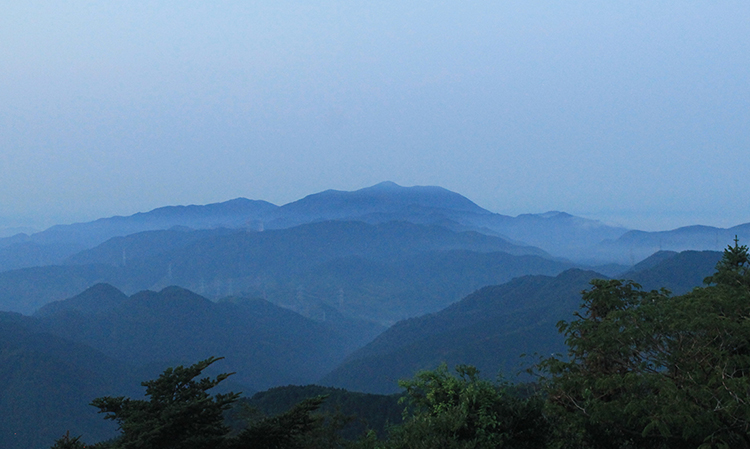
x,y
631,112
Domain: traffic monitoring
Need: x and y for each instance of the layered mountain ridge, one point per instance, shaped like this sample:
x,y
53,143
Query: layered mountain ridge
x,y
348,289
558,233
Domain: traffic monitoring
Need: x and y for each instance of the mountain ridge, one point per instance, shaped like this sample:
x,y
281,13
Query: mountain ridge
x,y
381,203
560,234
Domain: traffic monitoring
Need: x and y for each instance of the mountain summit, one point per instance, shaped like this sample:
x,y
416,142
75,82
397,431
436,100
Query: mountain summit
x,y
381,202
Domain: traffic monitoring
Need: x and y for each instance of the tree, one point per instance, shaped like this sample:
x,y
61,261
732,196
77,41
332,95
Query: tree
x,y
464,411
602,394
648,370
179,414
297,428
732,270
68,442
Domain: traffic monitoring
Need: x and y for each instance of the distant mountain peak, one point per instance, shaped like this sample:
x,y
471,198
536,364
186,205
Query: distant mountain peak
x,y
384,198
98,298
385,185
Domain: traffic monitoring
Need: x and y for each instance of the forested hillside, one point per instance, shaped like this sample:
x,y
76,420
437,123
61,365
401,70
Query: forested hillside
x,y
489,329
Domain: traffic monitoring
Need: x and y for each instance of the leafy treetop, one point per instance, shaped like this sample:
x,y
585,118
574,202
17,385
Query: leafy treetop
x,y
180,413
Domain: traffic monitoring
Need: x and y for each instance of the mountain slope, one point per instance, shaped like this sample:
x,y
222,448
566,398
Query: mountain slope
x,y
54,244
493,326
558,233
299,267
266,345
637,245
96,300
490,329
48,383
386,201
677,272
26,290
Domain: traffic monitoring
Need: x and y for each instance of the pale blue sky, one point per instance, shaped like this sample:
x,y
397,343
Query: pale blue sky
x,y
636,112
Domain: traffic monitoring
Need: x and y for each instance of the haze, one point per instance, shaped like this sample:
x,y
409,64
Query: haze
x,y
629,112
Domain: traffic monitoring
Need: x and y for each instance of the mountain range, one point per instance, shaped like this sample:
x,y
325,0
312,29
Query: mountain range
x,y
558,233
348,289
382,272
104,342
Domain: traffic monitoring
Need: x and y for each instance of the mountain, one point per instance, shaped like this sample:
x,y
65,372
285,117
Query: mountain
x,y
380,203
558,233
96,300
677,272
386,271
236,213
20,252
489,329
386,291
27,289
11,231
48,383
104,343
121,251
265,344
652,260
636,245
555,232
493,326
54,244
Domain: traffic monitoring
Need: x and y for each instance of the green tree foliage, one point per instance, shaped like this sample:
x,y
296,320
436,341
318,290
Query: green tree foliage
x,y
297,428
464,411
732,269
360,411
648,370
180,413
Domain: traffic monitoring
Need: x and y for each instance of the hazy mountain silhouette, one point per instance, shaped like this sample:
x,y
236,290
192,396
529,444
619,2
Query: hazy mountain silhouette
x,y
27,289
20,252
54,244
96,300
558,233
490,329
239,212
266,344
380,203
636,245
276,262
677,272
120,251
386,271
